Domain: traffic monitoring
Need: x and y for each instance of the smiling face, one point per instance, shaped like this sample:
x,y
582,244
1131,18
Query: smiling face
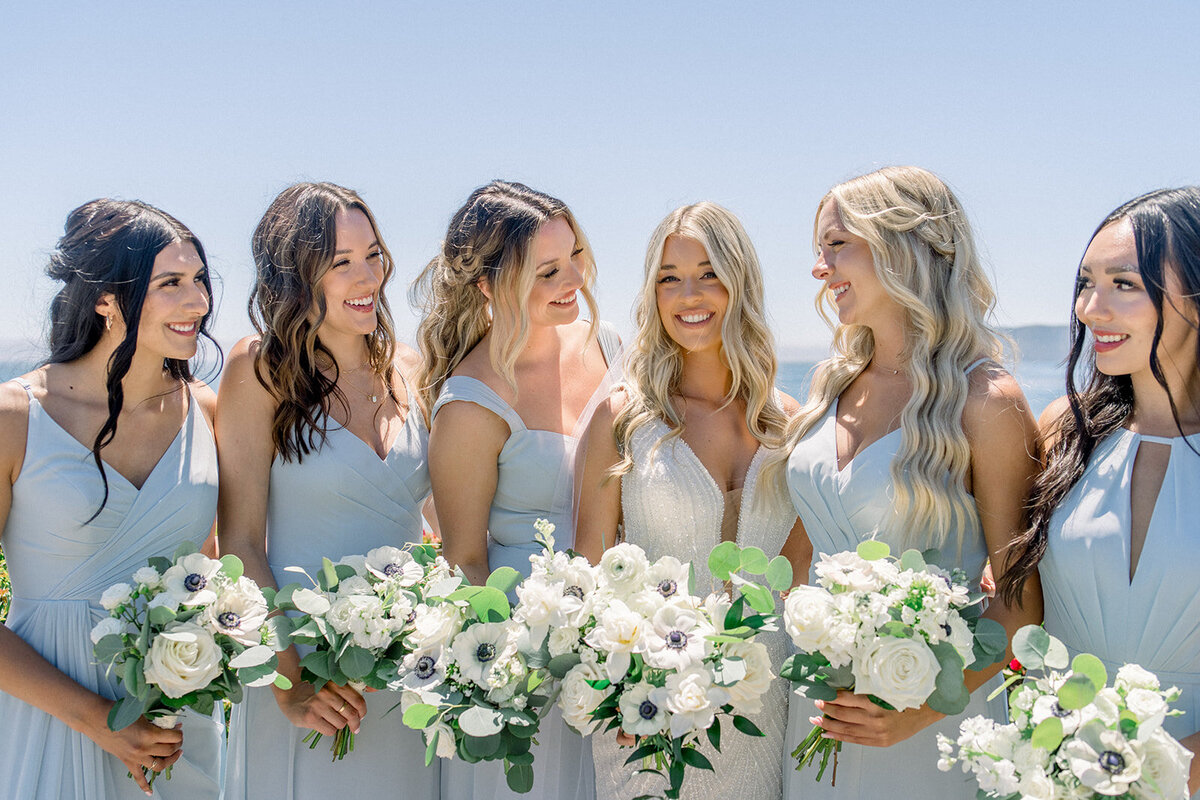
x,y
1112,301
556,256
845,264
691,299
351,285
176,301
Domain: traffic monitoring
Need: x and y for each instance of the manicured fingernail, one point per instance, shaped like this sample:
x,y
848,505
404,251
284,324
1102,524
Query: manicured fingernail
x,y
820,704
815,720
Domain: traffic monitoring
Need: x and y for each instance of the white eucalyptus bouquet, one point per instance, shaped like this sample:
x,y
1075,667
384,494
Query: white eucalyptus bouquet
x,y
900,630
1072,735
188,632
475,682
357,615
636,650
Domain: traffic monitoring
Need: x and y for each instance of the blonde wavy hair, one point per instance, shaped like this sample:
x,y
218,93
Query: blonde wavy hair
x,y
926,259
488,238
654,366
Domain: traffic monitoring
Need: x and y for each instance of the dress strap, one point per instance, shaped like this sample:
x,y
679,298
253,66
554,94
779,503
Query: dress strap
x,y
1145,437
610,343
971,367
24,384
471,390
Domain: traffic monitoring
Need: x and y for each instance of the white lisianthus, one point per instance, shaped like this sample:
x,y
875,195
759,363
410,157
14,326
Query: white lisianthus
x,y
182,659
899,671
577,699
677,638
339,613
190,580
693,700
116,596
394,564
643,709
480,650
1149,708
620,632
148,577
239,612
746,695
109,626
1165,763
1036,786
563,641
857,574
624,568
1131,676
433,626
1102,759
807,613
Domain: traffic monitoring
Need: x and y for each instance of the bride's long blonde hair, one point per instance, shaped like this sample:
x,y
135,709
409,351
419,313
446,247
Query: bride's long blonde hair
x,y
926,259
655,363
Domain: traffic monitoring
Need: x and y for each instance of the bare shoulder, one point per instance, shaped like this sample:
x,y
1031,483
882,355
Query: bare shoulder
x,y
14,424
239,376
607,411
790,404
408,361
1050,423
205,397
996,412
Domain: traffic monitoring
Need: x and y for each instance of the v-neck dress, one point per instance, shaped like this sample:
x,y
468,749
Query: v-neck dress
x,y
840,509
1091,604
60,564
341,500
672,506
530,485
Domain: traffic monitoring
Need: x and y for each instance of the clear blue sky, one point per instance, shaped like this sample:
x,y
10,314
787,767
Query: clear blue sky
x,y
1042,116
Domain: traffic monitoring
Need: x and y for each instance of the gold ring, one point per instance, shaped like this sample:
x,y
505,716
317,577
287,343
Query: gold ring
x,y
154,765
342,707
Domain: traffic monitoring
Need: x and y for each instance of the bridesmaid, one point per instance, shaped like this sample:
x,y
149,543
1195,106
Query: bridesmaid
x,y
912,433
107,457
1114,512
323,454
695,423
508,371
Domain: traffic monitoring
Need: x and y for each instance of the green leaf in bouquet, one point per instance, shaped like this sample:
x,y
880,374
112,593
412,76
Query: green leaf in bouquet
x,y
1036,649
724,560
897,629
133,680
1088,664
931,555
205,703
1048,735
482,747
756,621
714,734
747,727
420,716
431,748
872,550
645,751
159,563
779,574
356,662
523,731
423,554
536,679
234,693
728,671
161,615
143,640
560,665
519,778
343,571
525,757
691,578
912,559
950,694
815,690
990,643
278,632
185,548
480,721
694,758
124,713
760,599
283,598
504,578
1076,692
600,684
733,615
328,579
231,565
754,561
464,754
490,604
1127,723
109,647
675,776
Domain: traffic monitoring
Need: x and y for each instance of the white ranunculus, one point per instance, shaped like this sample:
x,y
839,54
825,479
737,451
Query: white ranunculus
x,y
148,577
190,579
182,659
624,568
538,605
1166,763
1102,759
394,564
1149,708
747,694
109,626
115,596
677,638
446,747
482,649
577,699
1132,676
693,700
899,671
620,632
806,617
563,641
643,709
239,612
433,626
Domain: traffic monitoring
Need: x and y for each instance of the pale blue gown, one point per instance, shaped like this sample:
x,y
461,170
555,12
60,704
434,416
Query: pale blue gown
x,y
530,485
840,509
60,564
1093,606
341,500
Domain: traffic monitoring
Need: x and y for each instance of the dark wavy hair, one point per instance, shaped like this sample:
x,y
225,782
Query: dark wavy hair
x,y
294,246
109,247
1166,231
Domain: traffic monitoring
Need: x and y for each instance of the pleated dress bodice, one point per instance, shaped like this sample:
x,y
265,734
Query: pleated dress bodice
x,y
60,563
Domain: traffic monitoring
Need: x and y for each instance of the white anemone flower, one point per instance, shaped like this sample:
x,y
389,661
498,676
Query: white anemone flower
x,y
239,612
644,709
394,564
190,580
677,638
481,649
1103,760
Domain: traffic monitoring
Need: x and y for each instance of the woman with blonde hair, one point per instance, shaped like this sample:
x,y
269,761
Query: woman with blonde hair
x,y
912,434
508,371
674,459
322,455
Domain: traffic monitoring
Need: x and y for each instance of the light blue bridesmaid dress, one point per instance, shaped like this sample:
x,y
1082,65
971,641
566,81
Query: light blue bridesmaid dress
x,y
60,565
840,509
1093,606
529,486
341,500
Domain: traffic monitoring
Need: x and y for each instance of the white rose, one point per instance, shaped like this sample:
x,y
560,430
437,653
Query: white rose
x,y
1131,676
806,616
693,700
563,640
115,596
148,577
434,625
1036,786
108,626
578,700
899,671
1149,708
1166,763
746,695
624,568
182,659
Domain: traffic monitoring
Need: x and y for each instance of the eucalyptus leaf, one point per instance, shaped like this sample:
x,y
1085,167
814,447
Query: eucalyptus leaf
x,y
109,647
431,747
912,559
278,630
357,662
754,561
161,615
490,604
479,721
1076,692
1048,735
185,548
282,682
1087,664
560,665
519,778
779,574
760,599
483,747
724,560
873,550
231,565
420,716
1030,645
504,578
124,713
329,576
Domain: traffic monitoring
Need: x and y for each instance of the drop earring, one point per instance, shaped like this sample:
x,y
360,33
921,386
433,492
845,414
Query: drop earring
x,y
108,323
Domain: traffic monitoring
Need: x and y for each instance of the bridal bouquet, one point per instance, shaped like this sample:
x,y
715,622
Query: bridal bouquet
x,y
635,650
1072,735
474,680
188,632
357,615
900,630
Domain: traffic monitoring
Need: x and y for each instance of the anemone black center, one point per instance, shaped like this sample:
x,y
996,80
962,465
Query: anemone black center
x,y
1058,711
573,591
667,587
677,640
1112,762
392,570
647,710
485,652
425,665
194,582
228,619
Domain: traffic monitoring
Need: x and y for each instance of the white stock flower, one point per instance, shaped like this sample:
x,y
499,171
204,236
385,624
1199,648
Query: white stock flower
x,y
109,626
1165,762
1132,676
807,614
563,641
624,568
148,577
115,596
190,580
620,632
643,709
239,612
677,638
693,699
481,649
899,671
1102,759
182,659
394,564
577,699
747,694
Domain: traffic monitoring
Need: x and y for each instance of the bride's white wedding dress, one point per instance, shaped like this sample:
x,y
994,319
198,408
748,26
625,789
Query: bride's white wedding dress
x,y
673,506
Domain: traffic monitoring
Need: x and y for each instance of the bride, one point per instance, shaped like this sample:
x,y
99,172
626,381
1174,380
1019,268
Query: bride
x,y
687,435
